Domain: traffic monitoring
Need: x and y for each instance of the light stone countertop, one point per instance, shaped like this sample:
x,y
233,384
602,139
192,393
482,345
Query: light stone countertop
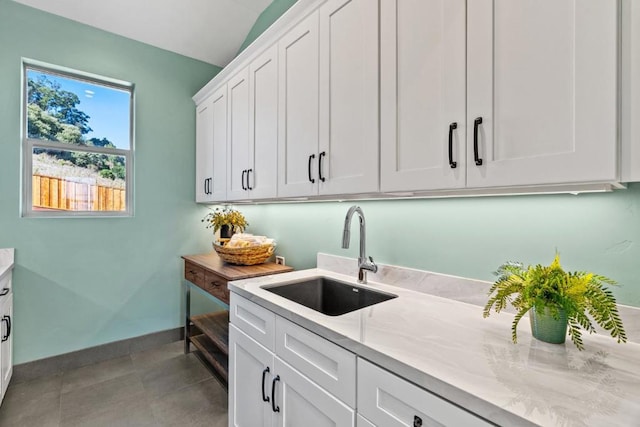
x,y
447,347
6,261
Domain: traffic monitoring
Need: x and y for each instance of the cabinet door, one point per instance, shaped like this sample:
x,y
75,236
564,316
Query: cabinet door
x,y
6,346
238,154
349,139
423,94
248,363
542,75
390,401
298,110
219,184
204,150
630,129
263,126
303,403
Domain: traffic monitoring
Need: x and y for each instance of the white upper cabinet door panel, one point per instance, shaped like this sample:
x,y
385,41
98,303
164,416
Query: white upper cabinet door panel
x,y
630,132
349,140
423,63
204,150
238,156
219,182
542,76
262,176
298,110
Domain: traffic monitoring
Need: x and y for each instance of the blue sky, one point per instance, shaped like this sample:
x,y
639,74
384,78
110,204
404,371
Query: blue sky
x,y
108,108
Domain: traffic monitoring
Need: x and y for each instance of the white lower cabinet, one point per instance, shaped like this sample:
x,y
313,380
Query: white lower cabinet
x,y
266,390
299,379
249,364
388,400
301,402
6,335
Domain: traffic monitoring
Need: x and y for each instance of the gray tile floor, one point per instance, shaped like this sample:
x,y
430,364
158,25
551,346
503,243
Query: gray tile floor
x,y
157,387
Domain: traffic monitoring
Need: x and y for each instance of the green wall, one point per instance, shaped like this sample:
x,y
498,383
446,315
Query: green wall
x,y
470,237
83,282
266,18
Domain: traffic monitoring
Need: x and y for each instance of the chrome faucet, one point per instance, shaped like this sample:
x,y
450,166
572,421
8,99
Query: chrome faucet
x,y
364,264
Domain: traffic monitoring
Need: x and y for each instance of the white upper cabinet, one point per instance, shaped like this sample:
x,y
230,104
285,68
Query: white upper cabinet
x,y
328,139
219,182
211,147
262,175
423,94
630,131
542,79
358,97
204,150
349,141
253,129
238,145
298,110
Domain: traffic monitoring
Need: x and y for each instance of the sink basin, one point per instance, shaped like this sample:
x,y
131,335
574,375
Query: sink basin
x,y
328,296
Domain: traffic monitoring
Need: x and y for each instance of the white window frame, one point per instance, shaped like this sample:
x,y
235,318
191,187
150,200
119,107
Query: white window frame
x,y
29,144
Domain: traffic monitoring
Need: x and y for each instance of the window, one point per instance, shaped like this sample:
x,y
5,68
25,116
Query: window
x,y
77,144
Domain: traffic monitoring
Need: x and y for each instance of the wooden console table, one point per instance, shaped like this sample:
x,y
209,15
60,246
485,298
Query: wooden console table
x,y
209,333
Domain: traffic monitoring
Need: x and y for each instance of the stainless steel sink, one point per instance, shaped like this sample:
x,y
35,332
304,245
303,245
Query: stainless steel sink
x,y
329,296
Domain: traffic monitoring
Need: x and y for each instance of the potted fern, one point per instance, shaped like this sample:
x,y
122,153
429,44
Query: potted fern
x,y
556,300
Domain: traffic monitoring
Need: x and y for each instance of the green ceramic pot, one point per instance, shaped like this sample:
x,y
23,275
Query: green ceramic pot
x,y
548,329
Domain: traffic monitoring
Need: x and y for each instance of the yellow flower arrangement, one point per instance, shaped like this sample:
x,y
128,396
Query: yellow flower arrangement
x,y
225,216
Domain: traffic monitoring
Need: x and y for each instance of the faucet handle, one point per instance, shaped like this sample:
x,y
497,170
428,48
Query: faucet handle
x,y
373,265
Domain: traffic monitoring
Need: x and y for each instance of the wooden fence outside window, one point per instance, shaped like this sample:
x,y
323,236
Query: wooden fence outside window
x,y
62,194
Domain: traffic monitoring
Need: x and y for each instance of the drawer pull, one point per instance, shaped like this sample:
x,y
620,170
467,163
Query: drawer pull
x,y
265,398
452,126
273,394
4,291
8,320
311,157
216,284
417,421
193,272
477,122
320,166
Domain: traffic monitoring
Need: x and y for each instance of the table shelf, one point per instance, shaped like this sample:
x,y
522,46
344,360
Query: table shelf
x,y
209,333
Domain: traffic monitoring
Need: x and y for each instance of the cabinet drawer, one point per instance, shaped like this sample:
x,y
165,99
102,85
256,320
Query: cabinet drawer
x,y
5,283
330,366
255,321
387,400
194,274
216,286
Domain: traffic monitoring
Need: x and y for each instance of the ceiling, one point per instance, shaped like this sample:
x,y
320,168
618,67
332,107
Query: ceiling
x,y
209,30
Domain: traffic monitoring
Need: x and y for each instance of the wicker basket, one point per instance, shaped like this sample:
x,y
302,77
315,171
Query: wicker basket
x,y
249,255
